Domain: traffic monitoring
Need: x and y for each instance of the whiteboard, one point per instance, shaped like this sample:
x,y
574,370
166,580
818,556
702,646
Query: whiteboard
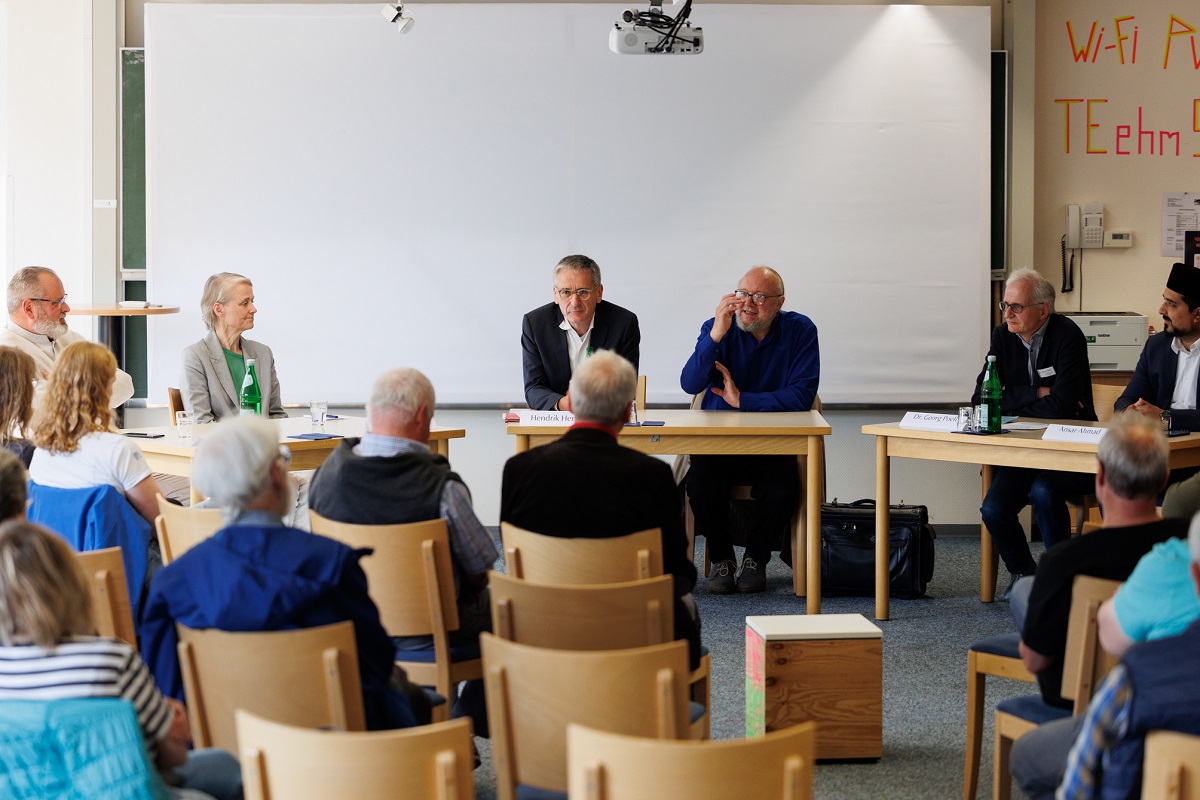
x,y
402,200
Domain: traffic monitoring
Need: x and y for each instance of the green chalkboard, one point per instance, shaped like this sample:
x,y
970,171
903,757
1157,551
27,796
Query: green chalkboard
x,y
133,205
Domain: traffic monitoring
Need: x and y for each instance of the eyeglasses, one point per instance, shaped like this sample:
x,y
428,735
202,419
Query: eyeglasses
x,y
582,294
1017,308
758,299
56,303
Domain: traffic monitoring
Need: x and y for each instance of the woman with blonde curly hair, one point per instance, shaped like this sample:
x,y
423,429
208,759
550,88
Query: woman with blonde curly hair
x,y
73,429
17,374
47,653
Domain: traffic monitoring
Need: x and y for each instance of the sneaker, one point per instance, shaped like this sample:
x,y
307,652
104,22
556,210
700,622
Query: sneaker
x,y
1014,577
752,577
720,577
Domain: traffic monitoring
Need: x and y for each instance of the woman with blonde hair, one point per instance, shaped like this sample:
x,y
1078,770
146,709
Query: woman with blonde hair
x,y
17,375
46,653
73,429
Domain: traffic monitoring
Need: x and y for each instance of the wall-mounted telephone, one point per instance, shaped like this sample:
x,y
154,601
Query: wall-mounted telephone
x,y
1085,225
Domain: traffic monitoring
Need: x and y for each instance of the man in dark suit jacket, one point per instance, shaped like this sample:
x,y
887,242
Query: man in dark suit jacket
x,y
588,485
1043,364
556,338
1166,356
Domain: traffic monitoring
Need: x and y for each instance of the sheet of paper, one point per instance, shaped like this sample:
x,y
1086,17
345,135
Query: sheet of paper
x,y
1026,426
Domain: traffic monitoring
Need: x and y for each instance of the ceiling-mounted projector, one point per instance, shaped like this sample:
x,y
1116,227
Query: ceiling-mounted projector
x,y
652,31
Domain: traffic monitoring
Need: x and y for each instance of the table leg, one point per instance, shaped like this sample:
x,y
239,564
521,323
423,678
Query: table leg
x,y
522,442
987,552
883,524
812,544
442,448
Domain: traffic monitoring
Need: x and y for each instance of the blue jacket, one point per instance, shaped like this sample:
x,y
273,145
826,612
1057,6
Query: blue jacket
x,y
262,577
780,373
1154,381
93,519
67,749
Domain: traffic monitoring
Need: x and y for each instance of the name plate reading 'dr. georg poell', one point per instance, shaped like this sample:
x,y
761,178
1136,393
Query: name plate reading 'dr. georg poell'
x,y
930,422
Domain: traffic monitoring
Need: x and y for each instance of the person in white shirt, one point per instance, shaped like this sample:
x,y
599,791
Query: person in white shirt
x,y
37,324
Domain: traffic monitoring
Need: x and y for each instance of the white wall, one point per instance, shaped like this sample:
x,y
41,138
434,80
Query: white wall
x,y
48,62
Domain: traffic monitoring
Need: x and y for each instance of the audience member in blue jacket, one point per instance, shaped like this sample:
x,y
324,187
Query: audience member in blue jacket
x,y
259,575
751,356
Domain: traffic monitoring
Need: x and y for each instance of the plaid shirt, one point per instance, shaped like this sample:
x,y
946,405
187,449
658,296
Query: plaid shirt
x,y
473,547
1107,721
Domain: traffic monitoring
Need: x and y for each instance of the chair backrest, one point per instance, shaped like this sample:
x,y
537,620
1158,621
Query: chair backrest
x,y
87,747
639,397
1085,662
306,677
409,576
533,693
1171,766
607,616
554,559
284,761
608,766
180,529
111,609
1104,396
174,402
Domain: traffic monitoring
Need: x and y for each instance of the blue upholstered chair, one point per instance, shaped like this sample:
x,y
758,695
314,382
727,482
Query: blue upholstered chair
x,y
998,656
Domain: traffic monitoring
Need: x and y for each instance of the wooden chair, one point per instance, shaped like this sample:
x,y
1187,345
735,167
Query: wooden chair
x,y
554,559
533,693
111,609
174,402
639,397
1171,766
284,761
1084,665
998,656
410,579
180,529
307,677
612,766
1085,507
610,616
580,561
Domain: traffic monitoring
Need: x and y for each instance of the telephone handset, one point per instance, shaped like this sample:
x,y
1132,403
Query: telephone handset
x,y
1085,225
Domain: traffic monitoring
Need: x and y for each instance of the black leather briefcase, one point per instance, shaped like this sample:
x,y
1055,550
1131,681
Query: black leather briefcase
x,y
848,549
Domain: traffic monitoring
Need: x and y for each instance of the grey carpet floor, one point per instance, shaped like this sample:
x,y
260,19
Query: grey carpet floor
x,y
924,678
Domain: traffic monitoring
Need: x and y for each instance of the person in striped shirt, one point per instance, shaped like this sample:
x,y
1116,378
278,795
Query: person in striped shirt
x,y
46,654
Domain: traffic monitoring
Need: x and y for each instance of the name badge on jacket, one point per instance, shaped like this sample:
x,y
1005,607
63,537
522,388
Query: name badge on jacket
x,y
1046,372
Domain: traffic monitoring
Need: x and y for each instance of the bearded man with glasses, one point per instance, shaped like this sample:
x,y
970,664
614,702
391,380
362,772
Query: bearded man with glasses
x,y
557,337
37,325
751,356
1043,364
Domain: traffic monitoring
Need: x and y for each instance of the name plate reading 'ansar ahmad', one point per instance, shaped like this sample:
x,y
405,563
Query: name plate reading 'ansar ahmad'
x,y
921,421
1085,434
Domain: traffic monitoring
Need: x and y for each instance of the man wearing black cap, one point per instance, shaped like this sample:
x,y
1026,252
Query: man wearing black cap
x,y
1167,377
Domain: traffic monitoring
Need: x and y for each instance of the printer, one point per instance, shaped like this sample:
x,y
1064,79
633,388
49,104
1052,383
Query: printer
x,y
1114,338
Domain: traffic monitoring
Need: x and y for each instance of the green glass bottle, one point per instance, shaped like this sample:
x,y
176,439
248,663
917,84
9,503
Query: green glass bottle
x,y
250,397
989,416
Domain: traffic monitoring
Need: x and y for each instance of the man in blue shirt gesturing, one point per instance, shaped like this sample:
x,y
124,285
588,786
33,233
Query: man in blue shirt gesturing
x,y
751,356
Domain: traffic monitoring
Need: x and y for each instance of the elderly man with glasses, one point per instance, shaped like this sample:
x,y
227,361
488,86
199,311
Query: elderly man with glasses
x,y
37,324
1043,364
751,356
557,337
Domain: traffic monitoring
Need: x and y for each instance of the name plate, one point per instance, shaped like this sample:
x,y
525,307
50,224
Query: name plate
x,y
1087,434
930,422
526,416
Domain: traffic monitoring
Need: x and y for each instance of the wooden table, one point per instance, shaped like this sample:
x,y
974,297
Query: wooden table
x,y
695,432
1014,449
173,455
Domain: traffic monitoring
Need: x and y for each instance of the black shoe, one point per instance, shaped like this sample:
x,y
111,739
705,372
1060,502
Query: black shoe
x,y
1012,581
752,577
720,577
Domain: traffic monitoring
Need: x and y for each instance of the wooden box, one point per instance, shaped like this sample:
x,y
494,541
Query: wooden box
x,y
827,668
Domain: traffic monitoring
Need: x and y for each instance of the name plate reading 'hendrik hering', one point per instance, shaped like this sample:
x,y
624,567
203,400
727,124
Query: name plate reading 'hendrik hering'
x,y
1086,434
527,416
922,421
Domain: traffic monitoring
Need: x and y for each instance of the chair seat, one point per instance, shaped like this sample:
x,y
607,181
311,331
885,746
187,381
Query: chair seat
x,y
1002,644
534,793
1032,708
466,652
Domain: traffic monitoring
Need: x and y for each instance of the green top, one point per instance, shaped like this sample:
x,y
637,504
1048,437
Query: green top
x,y
237,368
